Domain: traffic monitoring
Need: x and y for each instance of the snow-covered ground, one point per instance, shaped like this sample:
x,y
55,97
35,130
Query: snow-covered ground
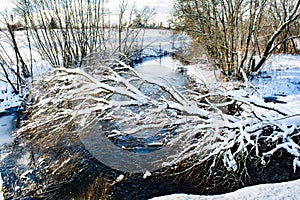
x,y
279,191
278,84
280,80
8,99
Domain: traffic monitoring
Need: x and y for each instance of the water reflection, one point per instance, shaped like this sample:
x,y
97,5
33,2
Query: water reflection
x,y
163,70
7,125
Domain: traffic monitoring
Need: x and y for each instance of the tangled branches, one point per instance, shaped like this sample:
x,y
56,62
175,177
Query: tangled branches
x,y
196,126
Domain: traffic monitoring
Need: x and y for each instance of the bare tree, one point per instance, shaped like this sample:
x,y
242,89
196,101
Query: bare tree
x,y
14,67
130,33
285,16
231,31
66,32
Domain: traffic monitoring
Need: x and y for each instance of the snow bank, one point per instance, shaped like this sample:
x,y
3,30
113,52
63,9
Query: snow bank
x,y
287,190
165,40
204,75
282,60
8,99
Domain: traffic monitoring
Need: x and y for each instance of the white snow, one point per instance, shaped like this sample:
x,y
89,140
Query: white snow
x,y
24,175
8,98
155,144
17,188
281,79
284,71
146,174
120,178
3,155
61,166
165,40
279,191
24,160
1,188
203,75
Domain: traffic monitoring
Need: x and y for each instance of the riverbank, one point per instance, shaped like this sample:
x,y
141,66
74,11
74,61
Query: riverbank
x,y
60,153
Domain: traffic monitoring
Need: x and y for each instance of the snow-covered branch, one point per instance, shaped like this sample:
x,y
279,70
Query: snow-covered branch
x,y
212,126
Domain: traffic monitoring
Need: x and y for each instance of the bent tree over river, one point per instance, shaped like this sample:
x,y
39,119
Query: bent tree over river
x,y
64,158
27,166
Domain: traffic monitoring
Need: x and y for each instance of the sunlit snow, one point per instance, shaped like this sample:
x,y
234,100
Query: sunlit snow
x,y
279,191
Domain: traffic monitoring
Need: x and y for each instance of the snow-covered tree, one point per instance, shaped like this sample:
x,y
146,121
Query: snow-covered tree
x,y
199,126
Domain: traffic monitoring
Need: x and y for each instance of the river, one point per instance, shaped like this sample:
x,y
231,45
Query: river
x,y
62,157
7,125
145,146
164,70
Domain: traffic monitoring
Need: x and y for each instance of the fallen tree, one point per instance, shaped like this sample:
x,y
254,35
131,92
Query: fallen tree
x,y
196,127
